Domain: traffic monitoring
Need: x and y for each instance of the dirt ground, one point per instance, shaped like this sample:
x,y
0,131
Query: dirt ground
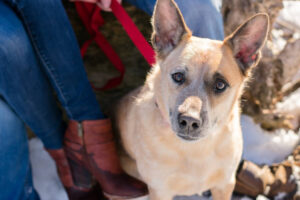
x,y
99,68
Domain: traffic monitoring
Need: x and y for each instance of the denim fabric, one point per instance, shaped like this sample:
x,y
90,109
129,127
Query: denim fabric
x,y
15,172
203,17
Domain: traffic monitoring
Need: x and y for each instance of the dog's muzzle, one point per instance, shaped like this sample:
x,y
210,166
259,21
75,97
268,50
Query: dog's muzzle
x,y
188,127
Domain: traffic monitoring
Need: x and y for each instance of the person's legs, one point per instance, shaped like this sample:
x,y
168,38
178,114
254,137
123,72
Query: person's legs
x,y
56,46
201,16
15,172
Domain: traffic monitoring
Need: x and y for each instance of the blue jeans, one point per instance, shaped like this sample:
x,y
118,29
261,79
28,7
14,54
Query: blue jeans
x,y
39,55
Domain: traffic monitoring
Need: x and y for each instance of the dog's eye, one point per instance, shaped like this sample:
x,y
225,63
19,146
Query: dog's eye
x,y
220,86
178,77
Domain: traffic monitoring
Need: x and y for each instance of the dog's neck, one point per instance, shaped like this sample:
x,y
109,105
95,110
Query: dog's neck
x,y
149,87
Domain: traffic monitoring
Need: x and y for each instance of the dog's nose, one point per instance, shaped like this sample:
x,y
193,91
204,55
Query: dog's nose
x,y
188,124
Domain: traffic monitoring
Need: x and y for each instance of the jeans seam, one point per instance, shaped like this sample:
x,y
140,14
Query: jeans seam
x,y
44,60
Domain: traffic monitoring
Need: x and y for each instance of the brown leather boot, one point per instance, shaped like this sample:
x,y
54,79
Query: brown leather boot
x,y
92,143
81,188
253,180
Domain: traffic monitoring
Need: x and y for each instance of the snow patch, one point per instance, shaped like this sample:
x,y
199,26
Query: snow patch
x,y
45,177
263,147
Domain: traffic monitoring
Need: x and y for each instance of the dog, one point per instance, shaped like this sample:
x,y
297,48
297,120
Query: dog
x,y
181,129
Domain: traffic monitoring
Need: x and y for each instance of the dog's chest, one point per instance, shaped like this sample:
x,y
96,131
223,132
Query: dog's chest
x,y
185,170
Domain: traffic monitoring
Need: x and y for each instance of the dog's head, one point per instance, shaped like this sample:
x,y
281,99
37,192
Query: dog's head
x,y
199,81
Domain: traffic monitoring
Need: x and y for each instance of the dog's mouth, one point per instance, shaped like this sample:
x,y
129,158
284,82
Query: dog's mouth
x,y
188,137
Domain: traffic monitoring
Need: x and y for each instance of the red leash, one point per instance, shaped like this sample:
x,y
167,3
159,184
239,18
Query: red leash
x,y
133,32
92,20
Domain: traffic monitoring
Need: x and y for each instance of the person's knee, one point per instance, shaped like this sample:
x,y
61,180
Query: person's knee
x,y
197,8
14,41
13,46
202,17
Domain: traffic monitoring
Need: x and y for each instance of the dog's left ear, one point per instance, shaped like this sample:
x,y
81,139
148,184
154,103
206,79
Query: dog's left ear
x,y
168,27
247,41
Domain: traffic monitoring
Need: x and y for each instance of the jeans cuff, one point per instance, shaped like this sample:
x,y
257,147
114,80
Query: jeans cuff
x,y
54,139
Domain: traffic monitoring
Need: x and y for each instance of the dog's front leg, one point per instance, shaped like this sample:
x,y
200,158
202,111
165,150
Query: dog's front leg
x,y
223,193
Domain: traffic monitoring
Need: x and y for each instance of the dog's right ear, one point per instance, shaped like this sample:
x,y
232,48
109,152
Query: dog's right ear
x,y
169,27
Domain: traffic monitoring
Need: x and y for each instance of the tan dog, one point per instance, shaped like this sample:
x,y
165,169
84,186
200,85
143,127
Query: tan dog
x,y
182,128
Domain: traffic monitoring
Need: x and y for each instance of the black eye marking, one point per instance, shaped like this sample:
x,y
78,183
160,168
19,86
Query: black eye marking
x,y
178,77
220,85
